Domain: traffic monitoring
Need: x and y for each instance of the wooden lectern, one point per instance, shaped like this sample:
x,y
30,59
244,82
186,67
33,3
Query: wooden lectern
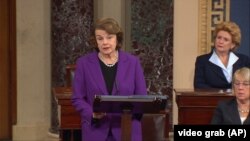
x,y
128,105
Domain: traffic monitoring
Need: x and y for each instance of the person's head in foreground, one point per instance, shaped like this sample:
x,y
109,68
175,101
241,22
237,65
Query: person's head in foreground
x,y
241,90
241,85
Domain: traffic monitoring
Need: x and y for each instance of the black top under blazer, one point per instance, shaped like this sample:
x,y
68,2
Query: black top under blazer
x,y
209,75
226,113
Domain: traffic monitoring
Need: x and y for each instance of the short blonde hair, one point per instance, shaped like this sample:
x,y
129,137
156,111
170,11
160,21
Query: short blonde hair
x,y
243,72
233,29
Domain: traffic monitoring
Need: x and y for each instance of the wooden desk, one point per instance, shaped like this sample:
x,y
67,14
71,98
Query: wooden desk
x,y
197,107
69,118
71,121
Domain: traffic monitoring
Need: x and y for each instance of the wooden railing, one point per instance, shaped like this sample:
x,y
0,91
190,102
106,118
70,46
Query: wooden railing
x,y
197,106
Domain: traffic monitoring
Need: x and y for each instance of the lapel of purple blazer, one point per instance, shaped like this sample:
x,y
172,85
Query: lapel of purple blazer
x,y
121,72
96,72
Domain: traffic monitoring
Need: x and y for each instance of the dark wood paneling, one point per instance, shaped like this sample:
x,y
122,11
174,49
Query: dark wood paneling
x,y
197,107
7,68
13,69
4,71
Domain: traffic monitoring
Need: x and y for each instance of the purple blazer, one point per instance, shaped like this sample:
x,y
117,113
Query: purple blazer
x,y
88,81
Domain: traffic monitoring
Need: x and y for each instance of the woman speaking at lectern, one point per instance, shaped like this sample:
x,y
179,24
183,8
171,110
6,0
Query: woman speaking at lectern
x,y
106,71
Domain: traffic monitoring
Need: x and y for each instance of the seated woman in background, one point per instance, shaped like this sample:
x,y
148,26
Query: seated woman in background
x,y
236,111
215,70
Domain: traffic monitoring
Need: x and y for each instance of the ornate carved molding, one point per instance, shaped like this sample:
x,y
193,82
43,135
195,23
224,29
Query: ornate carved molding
x,y
211,12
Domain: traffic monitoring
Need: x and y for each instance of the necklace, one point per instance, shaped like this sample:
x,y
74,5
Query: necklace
x,y
110,65
113,60
243,111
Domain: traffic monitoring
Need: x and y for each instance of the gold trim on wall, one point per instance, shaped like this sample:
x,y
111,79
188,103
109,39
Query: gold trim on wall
x,y
211,12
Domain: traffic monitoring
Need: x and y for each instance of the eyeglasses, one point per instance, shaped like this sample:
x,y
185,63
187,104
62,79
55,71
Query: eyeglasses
x,y
244,84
